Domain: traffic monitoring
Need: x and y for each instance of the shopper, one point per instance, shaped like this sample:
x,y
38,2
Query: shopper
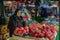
x,y
16,21
8,11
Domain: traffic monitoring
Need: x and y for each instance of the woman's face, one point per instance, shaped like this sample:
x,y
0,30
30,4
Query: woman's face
x,y
19,13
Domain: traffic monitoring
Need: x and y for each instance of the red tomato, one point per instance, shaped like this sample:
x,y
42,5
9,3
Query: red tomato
x,y
20,32
41,34
31,34
35,25
27,29
31,26
17,29
53,30
48,35
51,37
36,34
22,28
15,32
26,17
24,31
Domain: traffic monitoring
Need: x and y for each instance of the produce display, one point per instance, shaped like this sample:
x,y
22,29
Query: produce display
x,y
27,38
37,30
42,26
21,31
43,32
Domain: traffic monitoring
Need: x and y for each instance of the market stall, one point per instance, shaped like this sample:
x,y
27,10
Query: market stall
x,y
35,22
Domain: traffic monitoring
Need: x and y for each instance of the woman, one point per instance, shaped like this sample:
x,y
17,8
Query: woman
x,y
16,21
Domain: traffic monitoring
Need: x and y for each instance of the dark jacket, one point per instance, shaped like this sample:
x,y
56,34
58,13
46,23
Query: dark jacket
x,y
15,22
0,20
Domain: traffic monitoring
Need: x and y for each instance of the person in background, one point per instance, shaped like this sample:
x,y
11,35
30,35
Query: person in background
x,y
16,21
8,11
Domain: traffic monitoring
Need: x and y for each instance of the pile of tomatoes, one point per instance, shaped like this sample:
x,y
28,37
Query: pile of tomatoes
x,y
21,31
45,31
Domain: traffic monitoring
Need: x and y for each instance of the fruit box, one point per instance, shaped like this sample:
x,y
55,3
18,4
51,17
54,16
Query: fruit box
x,y
19,38
28,38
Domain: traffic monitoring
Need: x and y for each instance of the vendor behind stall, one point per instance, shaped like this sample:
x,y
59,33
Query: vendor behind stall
x,y
16,21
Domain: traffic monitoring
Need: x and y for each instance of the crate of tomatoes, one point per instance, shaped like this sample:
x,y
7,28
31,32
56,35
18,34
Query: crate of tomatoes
x,y
43,31
37,30
22,31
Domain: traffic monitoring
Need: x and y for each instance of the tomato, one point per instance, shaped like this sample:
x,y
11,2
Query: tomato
x,y
21,28
24,31
41,34
15,32
20,32
51,37
31,34
17,29
36,34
